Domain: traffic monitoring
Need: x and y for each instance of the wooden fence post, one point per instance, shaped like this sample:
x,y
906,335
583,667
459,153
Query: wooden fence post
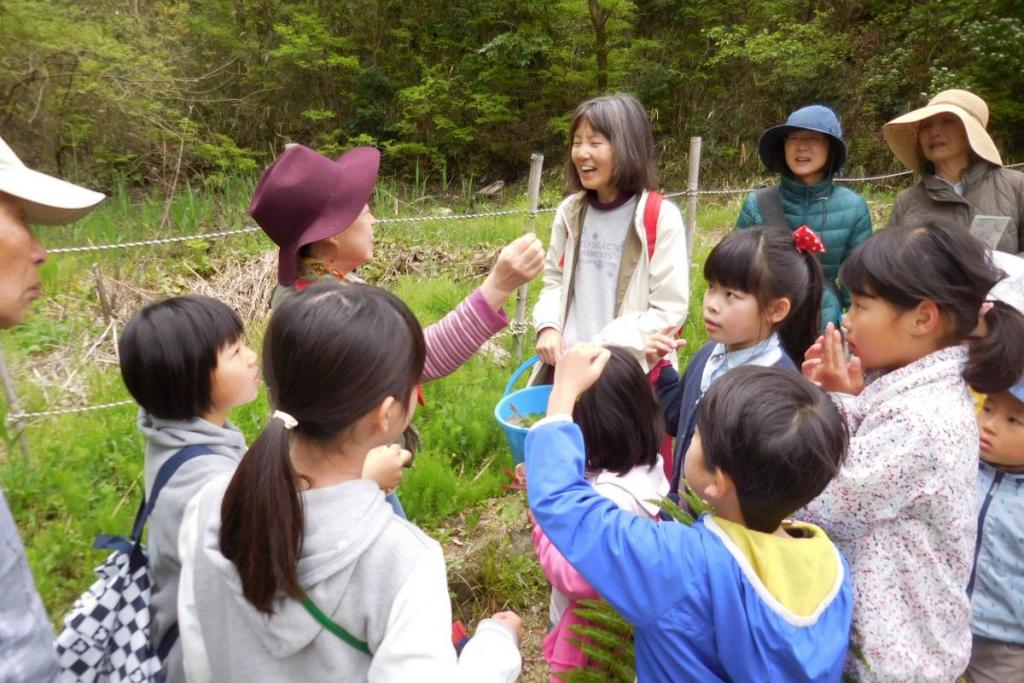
x,y
533,192
692,183
13,404
101,291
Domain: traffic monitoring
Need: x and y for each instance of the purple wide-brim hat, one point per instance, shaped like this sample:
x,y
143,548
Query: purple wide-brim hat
x,y
304,197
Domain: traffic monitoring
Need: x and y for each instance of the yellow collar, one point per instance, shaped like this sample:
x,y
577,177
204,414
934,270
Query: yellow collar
x,y
797,577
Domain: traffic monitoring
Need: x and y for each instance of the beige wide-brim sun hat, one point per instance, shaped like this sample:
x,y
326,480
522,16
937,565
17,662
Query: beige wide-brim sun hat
x,y
47,200
901,133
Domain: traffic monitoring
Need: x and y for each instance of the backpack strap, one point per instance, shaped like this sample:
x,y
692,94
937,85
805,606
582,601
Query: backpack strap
x,y
769,203
167,470
334,628
651,211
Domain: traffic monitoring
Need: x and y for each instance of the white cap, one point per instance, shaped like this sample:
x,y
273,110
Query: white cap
x,y
47,200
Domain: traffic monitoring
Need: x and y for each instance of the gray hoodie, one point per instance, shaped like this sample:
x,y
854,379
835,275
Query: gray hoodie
x,y
377,575
164,438
26,636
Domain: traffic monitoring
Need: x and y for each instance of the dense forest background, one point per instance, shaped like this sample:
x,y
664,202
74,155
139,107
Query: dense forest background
x,y
144,92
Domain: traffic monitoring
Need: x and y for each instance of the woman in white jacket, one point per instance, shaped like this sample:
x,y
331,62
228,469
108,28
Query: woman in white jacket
x,y
617,269
297,568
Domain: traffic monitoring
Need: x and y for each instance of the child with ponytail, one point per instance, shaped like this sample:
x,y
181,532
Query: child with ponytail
x,y
902,508
296,568
760,308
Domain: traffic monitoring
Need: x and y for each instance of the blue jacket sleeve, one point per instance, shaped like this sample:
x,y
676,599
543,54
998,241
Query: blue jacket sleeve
x,y
636,564
669,389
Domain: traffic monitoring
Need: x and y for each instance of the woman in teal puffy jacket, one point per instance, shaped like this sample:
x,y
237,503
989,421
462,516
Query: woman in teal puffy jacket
x,y
808,151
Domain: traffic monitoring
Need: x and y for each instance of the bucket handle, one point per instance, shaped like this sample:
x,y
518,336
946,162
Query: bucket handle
x,y
527,364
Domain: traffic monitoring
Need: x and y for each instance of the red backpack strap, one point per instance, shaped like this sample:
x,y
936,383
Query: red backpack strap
x,y
651,210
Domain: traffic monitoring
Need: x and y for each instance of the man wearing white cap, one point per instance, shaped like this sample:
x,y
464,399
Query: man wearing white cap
x,y
26,196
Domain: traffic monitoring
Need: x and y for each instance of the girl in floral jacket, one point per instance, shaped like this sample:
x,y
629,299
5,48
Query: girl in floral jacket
x,y
902,509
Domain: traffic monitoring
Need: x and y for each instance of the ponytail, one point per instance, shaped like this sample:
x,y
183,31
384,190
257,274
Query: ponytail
x,y
996,361
262,521
802,326
767,263
331,354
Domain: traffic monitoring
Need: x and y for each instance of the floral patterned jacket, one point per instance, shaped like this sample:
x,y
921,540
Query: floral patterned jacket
x,y
903,512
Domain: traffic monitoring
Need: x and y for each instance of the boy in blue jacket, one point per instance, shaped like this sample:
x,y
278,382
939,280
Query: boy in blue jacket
x,y
744,594
996,586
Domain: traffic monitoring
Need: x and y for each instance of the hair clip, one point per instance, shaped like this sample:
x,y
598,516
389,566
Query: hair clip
x,y
288,420
807,241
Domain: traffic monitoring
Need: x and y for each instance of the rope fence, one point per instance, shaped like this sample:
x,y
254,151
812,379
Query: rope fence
x,y
432,218
516,327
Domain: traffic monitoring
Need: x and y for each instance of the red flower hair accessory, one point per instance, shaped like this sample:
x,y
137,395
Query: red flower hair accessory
x,y
807,241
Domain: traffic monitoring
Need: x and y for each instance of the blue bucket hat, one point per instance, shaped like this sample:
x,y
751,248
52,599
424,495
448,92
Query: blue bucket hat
x,y
815,117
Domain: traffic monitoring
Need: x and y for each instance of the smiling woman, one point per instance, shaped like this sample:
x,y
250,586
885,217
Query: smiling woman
x,y
963,183
807,151
616,270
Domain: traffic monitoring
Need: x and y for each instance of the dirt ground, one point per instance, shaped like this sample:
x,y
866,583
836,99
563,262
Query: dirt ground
x,y
492,567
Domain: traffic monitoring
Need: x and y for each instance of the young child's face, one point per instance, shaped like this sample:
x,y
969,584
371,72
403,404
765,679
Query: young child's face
x,y
694,470
236,379
1001,425
732,317
806,155
875,334
594,158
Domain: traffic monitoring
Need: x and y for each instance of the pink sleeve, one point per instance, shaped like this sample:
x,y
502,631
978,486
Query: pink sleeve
x,y
560,573
457,336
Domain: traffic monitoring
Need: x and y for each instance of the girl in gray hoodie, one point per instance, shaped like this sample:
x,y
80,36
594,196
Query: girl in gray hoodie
x,y
295,568
185,364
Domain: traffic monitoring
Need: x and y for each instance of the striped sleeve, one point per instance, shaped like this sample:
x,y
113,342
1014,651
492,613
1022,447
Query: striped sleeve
x,y
452,340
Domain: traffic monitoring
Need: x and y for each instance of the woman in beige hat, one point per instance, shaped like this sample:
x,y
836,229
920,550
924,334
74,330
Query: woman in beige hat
x,y
963,181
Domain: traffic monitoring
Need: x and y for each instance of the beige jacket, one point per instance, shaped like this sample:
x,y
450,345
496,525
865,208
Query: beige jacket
x,y
988,191
651,294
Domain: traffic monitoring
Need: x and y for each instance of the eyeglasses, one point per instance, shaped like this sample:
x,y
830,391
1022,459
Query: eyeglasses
x,y
805,141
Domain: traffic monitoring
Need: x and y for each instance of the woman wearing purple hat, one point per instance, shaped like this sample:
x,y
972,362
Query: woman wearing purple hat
x,y
807,151
315,209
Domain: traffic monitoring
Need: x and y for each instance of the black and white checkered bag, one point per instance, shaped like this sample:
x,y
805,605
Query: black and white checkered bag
x,y
106,635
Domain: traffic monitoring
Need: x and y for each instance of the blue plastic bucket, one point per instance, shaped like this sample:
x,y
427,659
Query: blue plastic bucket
x,y
526,401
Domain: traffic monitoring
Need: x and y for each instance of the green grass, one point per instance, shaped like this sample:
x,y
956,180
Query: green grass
x,y
83,472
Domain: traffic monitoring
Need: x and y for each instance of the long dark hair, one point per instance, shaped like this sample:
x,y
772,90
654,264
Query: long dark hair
x,y
622,119
331,354
907,265
619,417
765,263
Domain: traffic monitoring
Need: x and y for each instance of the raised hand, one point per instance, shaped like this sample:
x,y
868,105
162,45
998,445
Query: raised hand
x,y
518,263
660,344
825,364
385,464
575,372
